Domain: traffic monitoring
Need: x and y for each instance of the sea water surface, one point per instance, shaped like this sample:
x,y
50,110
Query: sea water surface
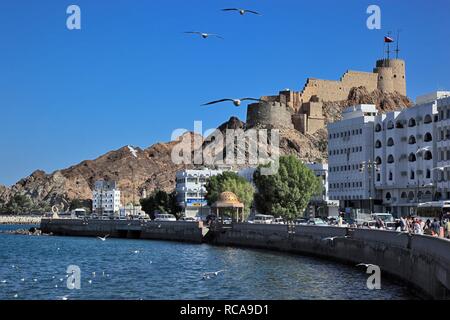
x,y
35,268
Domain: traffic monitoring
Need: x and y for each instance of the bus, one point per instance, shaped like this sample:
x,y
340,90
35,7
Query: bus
x,y
434,210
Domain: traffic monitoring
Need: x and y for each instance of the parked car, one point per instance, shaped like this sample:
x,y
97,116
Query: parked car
x,y
165,217
263,219
279,221
317,222
369,225
188,219
226,220
301,221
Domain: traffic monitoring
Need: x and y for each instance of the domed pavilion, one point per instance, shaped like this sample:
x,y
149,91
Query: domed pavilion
x,y
229,202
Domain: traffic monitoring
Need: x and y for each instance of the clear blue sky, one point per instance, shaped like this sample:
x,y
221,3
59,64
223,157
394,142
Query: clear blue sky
x,y
131,76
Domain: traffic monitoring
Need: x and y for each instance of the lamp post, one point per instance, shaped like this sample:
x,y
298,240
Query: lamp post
x,y
371,167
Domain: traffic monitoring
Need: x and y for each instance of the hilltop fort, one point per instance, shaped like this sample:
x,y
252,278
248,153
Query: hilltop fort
x,y
304,110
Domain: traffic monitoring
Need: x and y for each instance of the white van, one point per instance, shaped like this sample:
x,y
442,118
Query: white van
x,y
263,219
165,217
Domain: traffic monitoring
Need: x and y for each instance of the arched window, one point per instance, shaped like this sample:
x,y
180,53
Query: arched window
x,y
419,195
378,144
411,196
390,159
412,122
428,174
388,196
390,125
412,175
428,155
412,157
427,119
428,137
412,140
399,125
390,142
404,195
378,160
378,127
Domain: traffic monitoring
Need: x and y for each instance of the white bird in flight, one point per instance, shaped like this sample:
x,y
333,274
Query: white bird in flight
x,y
209,275
103,238
205,35
236,102
365,265
241,11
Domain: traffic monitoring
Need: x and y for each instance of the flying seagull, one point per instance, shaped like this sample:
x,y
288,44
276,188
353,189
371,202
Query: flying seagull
x,y
204,35
241,11
236,102
103,238
365,265
209,275
332,238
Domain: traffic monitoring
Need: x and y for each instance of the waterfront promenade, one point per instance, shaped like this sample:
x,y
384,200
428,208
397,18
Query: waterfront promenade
x,y
422,262
15,219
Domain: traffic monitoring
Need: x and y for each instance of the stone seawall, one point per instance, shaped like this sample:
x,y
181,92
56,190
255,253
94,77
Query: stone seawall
x,y
133,229
15,219
420,261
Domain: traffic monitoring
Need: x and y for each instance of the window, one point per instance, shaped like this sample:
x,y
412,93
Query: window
x,y
378,144
412,157
428,155
390,159
404,195
427,119
399,125
412,122
390,125
412,140
412,175
378,127
388,196
378,160
391,176
390,142
428,137
428,174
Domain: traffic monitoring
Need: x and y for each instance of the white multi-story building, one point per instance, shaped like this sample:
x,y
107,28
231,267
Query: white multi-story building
x,y
191,190
350,148
321,204
106,198
405,148
442,175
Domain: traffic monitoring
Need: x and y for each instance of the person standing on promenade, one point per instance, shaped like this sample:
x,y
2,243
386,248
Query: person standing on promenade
x,y
436,228
447,228
403,224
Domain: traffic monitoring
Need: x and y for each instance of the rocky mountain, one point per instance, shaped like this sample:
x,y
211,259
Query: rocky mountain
x,y
152,168
384,102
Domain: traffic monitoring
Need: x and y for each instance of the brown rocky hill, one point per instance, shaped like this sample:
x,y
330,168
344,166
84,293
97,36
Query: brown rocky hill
x,y
137,169
385,102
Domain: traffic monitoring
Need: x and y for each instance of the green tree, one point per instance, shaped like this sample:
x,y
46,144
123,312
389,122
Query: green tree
x,y
161,201
230,181
288,192
19,204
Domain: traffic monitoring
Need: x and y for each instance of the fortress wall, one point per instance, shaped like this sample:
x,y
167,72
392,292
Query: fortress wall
x,y
270,115
329,90
385,83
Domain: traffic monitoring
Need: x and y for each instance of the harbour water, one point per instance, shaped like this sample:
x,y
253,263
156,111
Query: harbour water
x,y
35,268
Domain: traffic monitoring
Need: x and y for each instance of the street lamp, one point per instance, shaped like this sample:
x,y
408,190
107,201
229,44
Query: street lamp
x,y
371,167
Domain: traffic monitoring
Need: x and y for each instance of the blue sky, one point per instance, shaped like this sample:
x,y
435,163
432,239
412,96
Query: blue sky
x,y
131,76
